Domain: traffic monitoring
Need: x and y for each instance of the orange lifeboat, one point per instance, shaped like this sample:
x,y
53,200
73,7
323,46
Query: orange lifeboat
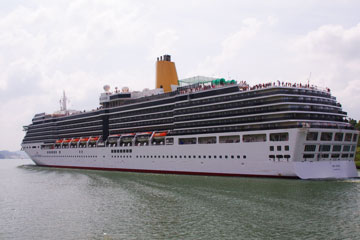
x,y
129,135
115,135
94,139
85,139
145,133
66,141
160,135
59,141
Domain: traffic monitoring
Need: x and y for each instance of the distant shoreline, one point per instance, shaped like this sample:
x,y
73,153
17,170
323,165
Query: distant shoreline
x,y
13,155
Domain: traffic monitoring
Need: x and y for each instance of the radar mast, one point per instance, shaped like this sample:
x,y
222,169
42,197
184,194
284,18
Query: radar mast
x,y
63,102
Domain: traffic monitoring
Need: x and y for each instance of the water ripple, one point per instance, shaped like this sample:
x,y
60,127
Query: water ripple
x,y
48,203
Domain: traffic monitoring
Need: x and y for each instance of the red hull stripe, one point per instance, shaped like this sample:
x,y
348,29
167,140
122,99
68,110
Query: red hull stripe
x,y
170,172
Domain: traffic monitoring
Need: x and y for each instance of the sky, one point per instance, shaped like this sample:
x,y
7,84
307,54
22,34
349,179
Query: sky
x,y
78,46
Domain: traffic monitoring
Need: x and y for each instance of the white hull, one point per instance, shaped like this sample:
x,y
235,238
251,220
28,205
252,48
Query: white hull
x,y
234,159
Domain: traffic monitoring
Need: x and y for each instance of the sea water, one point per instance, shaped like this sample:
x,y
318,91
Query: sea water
x,y
50,203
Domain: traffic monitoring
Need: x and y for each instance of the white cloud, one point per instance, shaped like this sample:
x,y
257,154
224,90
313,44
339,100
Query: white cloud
x,y
164,42
231,46
80,45
332,53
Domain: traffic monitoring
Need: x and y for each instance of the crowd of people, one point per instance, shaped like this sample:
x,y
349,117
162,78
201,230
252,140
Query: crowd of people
x,y
286,84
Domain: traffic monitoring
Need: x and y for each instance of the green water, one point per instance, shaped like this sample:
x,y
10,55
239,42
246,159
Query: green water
x,y
48,203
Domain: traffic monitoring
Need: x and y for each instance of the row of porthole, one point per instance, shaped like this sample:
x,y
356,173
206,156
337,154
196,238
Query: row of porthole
x,y
121,150
67,156
121,156
191,156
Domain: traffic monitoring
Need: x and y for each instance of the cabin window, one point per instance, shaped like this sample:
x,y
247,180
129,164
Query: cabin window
x,y
339,137
336,148
353,148
169,141
229,139
348,137
207,140
335,155
324,155
271,148
354,137
326,136
276,137
308,156
345,155
254,138
324,148
187,141
312,136
310,148
287,148
346,148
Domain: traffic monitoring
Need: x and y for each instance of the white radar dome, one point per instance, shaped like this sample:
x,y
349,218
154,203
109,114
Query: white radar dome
x,y
107,88
125,89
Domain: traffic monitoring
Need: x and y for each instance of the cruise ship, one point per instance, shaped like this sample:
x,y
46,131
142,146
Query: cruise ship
x,y
201,126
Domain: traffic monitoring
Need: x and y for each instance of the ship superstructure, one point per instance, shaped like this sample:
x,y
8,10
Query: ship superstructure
x,y
202,126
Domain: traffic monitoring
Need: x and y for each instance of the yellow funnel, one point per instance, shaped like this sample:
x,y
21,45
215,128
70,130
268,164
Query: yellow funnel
x,y
166,74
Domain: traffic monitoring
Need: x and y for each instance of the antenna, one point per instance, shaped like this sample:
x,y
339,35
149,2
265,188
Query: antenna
x,y
63,101
309,79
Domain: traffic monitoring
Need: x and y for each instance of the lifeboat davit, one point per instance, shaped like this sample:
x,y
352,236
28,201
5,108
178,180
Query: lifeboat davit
x,y
113,138
141,137
127,137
